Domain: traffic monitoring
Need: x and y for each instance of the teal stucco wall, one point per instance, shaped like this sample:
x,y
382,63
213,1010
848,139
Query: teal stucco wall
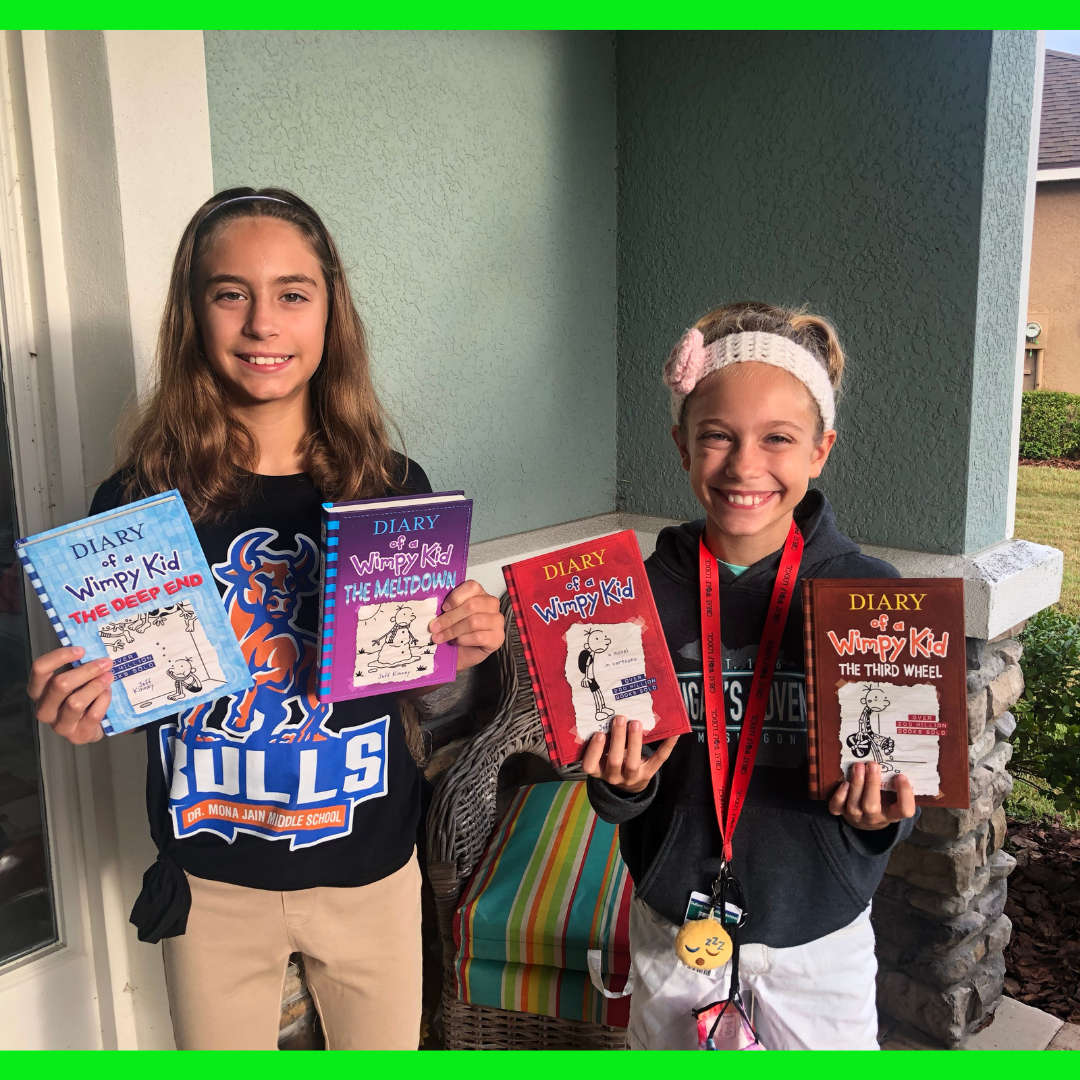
x,y
1001,254
846,172
469,180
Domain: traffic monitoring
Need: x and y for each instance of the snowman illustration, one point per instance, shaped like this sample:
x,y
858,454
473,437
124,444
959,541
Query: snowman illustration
x,y
596,642
867,740
396,644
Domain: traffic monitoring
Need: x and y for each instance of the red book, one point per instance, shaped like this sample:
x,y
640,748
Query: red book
x,y
886,681
593,643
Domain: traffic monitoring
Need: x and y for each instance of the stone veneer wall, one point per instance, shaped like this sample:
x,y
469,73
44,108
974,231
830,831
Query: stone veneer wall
x,y
938,914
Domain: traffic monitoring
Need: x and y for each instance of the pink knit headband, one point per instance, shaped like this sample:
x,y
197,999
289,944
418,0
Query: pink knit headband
x,y
691,360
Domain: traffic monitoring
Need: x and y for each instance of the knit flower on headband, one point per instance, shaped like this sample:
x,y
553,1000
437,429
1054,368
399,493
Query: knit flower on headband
x,y
685,366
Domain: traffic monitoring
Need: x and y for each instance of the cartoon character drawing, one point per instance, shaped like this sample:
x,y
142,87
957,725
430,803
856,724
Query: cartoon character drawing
x,y
867,740
596,642
182,673
120,633
187,613
396,644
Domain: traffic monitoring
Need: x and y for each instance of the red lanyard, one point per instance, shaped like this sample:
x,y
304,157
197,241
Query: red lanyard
x,y
760,688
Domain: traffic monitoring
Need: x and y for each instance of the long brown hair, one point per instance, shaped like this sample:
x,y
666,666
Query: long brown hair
x,y
187,437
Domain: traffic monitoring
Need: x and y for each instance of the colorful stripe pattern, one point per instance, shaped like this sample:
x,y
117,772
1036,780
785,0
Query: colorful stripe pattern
x,y
550,886
543,991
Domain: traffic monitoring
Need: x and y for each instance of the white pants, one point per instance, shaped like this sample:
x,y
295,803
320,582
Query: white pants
x,y
817,996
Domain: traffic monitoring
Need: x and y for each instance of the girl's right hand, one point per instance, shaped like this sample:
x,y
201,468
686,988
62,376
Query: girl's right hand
x,y
623,766
72,701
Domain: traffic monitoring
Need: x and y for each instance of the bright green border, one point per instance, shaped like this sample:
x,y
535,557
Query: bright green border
x,y
508,1065
779,14
562,14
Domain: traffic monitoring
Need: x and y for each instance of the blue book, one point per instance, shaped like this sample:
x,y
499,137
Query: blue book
x,y
132,584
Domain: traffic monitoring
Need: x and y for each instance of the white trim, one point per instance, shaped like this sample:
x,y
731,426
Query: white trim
x,y
161,126
17,321
1025,280
1003,585
487,558
1057,174
71,500
49,998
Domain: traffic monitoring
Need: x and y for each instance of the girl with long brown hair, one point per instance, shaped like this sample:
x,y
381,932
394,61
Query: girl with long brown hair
x,y
283,825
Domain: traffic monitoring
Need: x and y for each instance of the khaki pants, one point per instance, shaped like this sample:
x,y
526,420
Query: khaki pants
x,y
362,955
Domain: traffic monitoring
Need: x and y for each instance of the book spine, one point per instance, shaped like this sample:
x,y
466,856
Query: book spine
x,y
534,674
50,610
813,765
327,603
43,596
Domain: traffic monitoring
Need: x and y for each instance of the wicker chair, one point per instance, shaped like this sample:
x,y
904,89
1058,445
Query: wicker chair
x,y
460,822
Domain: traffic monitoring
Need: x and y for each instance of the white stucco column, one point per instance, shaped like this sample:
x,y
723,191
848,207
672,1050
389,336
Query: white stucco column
x,y
157,81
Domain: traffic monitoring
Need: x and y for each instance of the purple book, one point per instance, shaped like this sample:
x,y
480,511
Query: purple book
x,y
389,565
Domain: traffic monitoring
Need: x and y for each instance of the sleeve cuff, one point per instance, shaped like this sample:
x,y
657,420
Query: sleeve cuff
x,y
618,806
874,843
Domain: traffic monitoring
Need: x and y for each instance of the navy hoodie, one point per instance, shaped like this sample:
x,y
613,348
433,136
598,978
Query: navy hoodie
x,y
804,872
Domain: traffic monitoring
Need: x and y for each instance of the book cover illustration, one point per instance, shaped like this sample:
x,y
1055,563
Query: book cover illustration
x,y
886,684
896,726
605,669
390,564
593,643
132,584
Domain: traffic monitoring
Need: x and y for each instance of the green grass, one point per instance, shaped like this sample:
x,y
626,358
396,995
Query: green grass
x,y
1027,803
1048,512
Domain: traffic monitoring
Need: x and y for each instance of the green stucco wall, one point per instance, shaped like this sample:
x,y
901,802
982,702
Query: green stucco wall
x,y
998,314
469,180
846,172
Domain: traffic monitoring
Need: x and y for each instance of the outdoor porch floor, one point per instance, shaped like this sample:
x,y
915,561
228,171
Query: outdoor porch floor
x,y
1016,1026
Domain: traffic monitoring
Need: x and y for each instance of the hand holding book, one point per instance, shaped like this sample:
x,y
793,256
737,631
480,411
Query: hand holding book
x,y
470,619
623,766
859,799
71,700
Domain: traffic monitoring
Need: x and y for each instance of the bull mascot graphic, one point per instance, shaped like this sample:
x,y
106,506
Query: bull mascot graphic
x,y
265,588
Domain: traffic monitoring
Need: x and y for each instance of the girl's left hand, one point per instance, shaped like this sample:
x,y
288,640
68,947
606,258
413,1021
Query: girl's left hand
x,y
470,619
859,800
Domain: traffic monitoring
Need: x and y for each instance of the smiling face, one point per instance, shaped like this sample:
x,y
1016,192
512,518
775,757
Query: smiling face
x,y
748,441
261,305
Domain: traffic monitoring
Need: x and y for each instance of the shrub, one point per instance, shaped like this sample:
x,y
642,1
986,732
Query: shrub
x,y
1046,743
1049,424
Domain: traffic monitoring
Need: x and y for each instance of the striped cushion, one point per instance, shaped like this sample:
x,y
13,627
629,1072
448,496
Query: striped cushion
x,y
543,991
550,886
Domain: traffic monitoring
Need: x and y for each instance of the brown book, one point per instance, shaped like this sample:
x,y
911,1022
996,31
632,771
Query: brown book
x,y
886,681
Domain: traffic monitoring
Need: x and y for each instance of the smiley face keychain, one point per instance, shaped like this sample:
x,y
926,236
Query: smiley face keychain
x,y
703,944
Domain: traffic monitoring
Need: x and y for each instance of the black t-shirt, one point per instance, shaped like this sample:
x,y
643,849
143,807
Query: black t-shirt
x,y
269,788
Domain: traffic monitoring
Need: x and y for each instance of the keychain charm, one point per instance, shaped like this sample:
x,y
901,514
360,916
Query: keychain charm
x,y
703,944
